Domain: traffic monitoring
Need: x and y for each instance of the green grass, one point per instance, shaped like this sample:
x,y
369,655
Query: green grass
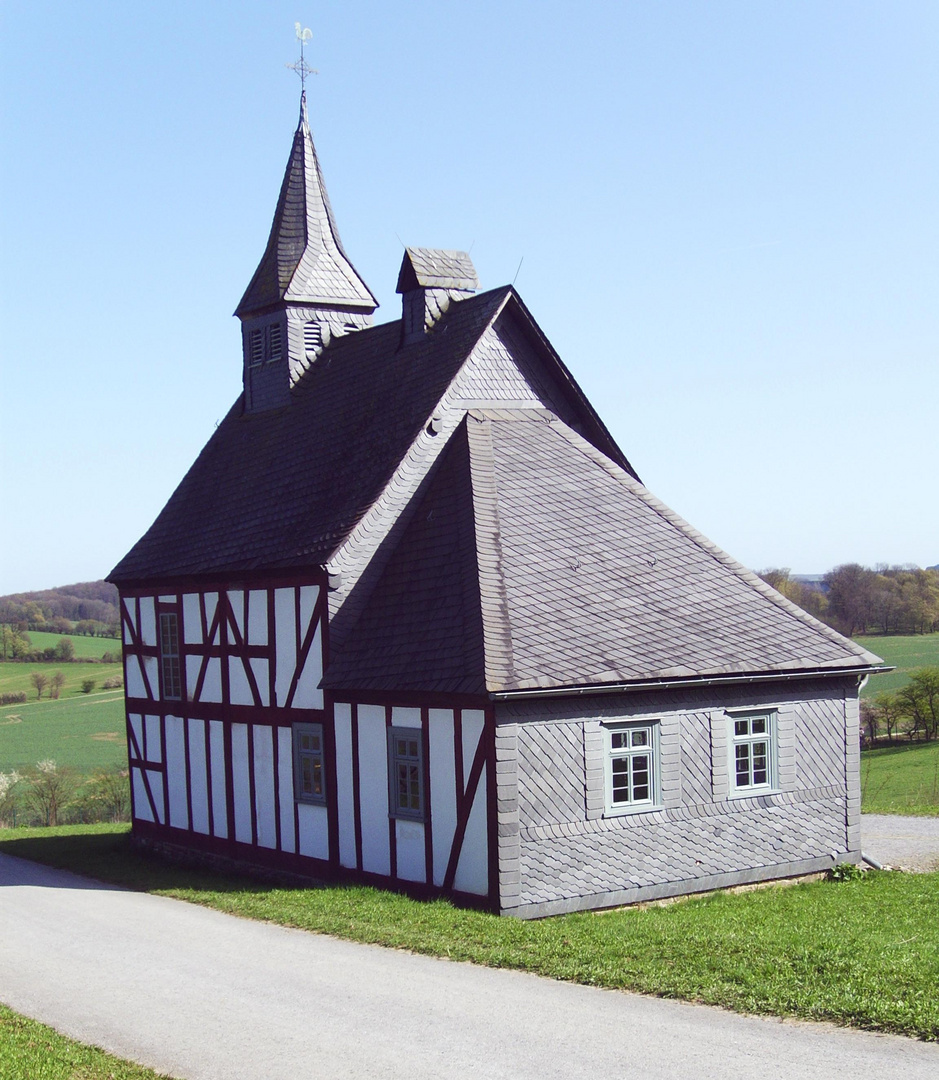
x,y
84,731
904,653
864,953
84,646
901,780
31,1051
16,676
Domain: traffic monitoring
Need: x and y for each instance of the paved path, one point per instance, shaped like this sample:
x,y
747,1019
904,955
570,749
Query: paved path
x,y
907,843
207,996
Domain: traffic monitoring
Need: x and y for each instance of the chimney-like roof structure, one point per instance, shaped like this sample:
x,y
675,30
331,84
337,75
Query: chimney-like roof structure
x,y
429,268
304,261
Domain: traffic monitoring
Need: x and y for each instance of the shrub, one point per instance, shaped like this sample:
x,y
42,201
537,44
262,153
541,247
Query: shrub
x,y
15,697
87,685
56,683
105,796
845,871
111,658
50,790
113,682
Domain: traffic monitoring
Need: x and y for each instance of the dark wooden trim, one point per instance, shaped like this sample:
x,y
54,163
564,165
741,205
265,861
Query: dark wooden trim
x,y
241,649
238,714
141,765
303,649
411,698
492,808
209,789
313,574
252,788
464,809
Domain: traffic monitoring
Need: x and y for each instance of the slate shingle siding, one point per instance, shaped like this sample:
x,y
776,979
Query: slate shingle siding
x,y
564,856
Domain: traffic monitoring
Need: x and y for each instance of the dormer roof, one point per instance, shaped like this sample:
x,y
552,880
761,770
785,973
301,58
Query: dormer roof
x,y
430,268
304,261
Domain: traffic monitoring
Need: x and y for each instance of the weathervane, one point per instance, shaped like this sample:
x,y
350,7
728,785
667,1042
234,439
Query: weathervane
x,y
301,67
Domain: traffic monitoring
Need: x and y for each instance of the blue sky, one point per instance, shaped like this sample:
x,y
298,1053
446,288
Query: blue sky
x,y
726,215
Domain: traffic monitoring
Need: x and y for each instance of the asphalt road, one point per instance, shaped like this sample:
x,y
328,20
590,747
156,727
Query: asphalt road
x,y
207,996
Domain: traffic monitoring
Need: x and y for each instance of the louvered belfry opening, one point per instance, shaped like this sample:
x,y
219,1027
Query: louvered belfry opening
x,y
429,281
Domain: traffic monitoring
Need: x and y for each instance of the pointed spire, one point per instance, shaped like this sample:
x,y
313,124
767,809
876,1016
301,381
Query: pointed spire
x,y
304,262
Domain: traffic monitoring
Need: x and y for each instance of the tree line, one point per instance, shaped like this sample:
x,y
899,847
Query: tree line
x,y
89,602
51,794
855,599
908,714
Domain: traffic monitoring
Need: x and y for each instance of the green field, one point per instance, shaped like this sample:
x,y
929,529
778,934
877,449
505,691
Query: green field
x,y
901,780
84,731
904,653
84,646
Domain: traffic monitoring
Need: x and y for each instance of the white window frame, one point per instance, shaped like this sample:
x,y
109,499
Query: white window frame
x,y
171,668
614,751
316,756
741,734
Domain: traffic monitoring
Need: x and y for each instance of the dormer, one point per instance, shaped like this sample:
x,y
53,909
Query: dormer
x,y
305,291
429,281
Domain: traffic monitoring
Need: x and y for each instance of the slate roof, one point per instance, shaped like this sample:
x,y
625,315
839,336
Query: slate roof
x,y
304,260
579,576
436,269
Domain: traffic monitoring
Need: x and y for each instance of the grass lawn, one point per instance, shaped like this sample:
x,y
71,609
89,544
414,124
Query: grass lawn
x,y
864,952
905,653
31,1051
901,780
16,676
84,731
84,646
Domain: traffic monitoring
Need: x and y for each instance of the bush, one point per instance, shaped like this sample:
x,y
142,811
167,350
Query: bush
x,y
845,871
111,658
114,682
87,685
16,697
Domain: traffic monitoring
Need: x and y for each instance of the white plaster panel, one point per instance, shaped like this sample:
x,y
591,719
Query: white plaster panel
x,y
136,726
409,850
308,598
344,794
212,686
193,666
152,668
264,798
259,667
308,695
239,690
156,790
210,600
241,786
198,782
442,787
405,717
142,809
257,617
176,771
147,621
170,599
219,786
135,687
130,611
285,642
314,831
473,721
236,600
153,739
288,838
472,870
192,619
373,789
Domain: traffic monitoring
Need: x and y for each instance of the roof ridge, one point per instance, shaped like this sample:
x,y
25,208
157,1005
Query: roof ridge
x,y
744,573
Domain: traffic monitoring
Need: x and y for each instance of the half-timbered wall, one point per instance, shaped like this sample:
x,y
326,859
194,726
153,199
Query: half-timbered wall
x,y
560,850
217,761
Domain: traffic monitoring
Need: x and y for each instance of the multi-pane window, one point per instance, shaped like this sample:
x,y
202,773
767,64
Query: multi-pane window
x,y
308,763
753,752
632,767
405,773
169,655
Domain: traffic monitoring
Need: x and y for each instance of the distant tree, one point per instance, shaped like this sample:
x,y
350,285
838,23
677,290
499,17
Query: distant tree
x,y
811,600
9,791
60,625
87,685
56,682
49,790
919,700
65,649
889,714
850,597
40,681
106,796
870,723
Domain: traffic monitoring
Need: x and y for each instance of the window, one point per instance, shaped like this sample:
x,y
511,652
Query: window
x,y
309,782
405,773
312,339
169,655
265,343
255,347
753,753
632,768
276,342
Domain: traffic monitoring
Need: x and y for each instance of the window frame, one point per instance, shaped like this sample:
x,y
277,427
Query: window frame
x,y
651,749
749,739
170,660
415,735
299,753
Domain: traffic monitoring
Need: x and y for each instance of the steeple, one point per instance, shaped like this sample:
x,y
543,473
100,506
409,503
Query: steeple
x,y
305,290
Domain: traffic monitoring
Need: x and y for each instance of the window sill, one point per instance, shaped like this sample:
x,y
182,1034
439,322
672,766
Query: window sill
x,y
631,811
753,792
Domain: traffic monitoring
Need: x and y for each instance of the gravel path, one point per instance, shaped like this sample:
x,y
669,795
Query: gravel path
x,y
207,996
905,843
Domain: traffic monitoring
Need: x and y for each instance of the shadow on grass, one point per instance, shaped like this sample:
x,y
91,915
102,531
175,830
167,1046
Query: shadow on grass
x,y
111,858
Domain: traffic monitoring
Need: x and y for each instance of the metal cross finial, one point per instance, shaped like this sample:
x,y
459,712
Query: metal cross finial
x,y
301,67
